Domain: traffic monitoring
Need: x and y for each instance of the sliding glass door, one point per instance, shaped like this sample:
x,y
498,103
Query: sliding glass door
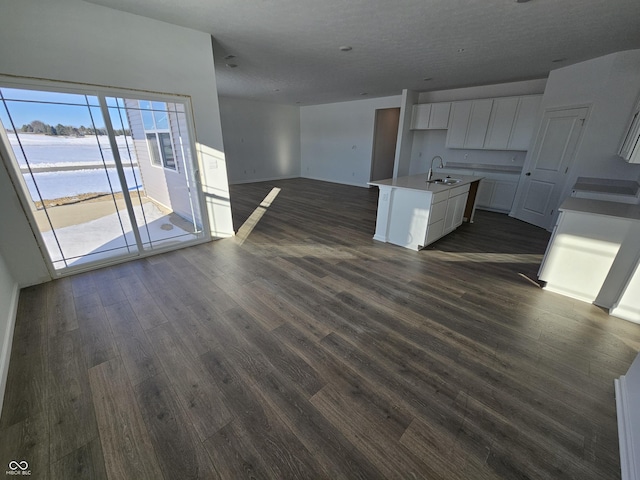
x,y
104,176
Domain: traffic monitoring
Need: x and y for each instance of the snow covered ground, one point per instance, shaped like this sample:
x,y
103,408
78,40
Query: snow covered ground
x,y
51,152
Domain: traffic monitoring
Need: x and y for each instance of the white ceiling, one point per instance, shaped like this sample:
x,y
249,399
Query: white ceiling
x,y
287,51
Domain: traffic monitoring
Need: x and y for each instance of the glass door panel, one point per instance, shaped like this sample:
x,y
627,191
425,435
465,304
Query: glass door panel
x,y
157,153
93,166
60,144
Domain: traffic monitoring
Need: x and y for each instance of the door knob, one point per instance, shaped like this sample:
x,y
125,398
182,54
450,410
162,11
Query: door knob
x,y
528,174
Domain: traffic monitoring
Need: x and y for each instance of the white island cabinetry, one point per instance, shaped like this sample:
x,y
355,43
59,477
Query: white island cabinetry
x,y
413,213
594,253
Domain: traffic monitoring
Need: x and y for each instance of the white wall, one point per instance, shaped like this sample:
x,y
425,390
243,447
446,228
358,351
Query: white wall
x,y
18,246
611,85
8,305
336,139
75,41
262,140
429,143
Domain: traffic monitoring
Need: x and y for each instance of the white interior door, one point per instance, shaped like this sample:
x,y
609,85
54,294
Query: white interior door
x,y
545,173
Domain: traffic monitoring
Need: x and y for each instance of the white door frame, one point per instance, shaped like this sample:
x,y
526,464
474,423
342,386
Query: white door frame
x,y
21,190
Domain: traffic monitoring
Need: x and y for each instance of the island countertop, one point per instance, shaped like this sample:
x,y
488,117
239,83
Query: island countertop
x,y
419,182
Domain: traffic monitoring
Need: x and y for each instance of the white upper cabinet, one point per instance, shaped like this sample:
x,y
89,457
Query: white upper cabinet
x,y
503,115
430,116
525,122
469,122
478,123
420,116
439,118
458,124
505,123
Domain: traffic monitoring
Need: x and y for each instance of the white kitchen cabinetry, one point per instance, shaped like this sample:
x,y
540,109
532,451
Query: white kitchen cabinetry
x,y
458,124
413,213
503,114
581,251
525,122
455,208
496,191
435,226
469,124
430,116
505,123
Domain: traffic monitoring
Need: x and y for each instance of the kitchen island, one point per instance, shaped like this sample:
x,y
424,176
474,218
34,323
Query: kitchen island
x,y
413,213
594,255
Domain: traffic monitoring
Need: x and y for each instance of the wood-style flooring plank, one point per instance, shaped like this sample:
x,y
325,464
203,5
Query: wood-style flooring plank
x,y
97,338
195,390
84,463
72,420
306,349
26,388
135,350
282,454
127,447
180,452
27,440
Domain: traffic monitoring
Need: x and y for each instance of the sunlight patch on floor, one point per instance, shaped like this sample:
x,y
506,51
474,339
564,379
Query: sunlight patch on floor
x,y
247,227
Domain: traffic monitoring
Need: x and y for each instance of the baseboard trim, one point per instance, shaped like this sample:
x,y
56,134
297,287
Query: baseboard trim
x,y
5,353
333,180
628,453
257,180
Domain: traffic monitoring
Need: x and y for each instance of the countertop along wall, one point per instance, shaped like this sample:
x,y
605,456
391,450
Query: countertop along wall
x,y
75,41
262,140
336,139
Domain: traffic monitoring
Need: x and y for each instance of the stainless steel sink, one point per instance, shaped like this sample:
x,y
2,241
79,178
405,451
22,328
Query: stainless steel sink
x,y
447,181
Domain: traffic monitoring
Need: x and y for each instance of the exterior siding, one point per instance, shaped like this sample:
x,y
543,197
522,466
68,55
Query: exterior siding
x,y
153,178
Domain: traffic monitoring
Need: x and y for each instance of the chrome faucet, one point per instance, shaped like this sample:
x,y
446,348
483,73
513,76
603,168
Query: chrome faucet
x,y
431,167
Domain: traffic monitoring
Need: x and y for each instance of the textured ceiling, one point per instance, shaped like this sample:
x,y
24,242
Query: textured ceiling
x,y
287,51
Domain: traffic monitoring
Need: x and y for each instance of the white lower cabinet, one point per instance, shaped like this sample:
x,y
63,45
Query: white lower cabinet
x,y
446,213
496,195
496,191
455,210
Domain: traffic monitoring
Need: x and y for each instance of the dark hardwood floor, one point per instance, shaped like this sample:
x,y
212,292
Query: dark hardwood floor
x,y
304,349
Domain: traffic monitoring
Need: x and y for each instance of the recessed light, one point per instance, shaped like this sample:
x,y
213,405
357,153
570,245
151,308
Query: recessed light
x,y
231,65
229,57
558,60
346,48
427,79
